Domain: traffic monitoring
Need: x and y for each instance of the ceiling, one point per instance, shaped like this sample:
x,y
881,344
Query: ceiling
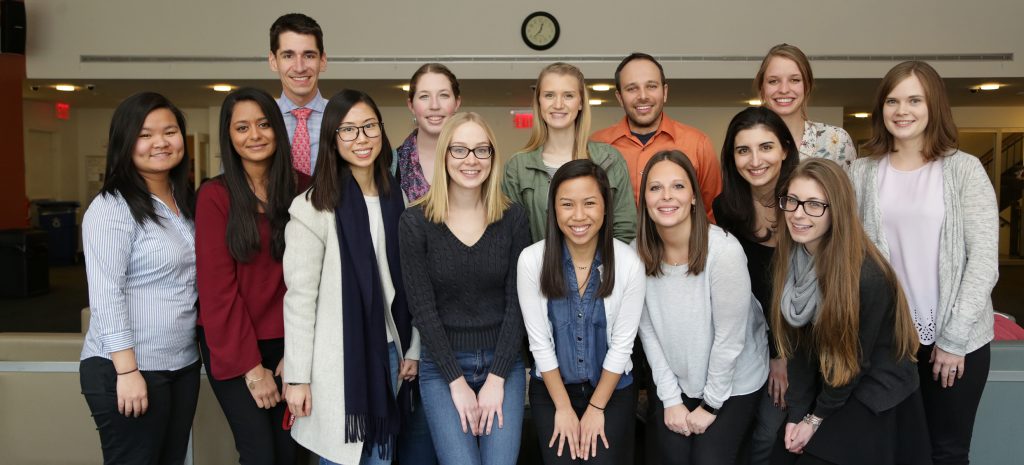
x,y
854,95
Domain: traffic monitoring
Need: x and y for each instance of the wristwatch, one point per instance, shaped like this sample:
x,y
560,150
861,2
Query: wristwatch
x,y
708,408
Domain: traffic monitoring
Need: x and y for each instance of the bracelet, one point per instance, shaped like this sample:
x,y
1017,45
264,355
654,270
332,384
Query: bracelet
x,y
133,370
812,420
252,382
599,408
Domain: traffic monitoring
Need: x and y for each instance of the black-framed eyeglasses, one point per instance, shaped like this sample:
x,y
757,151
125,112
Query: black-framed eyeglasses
x,y
482,152
811,207
351,133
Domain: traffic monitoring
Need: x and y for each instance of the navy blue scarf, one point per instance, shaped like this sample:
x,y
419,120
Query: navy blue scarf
x,y
372,414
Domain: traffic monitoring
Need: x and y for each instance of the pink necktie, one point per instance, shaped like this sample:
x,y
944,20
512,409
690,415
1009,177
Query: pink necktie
x,y
300,143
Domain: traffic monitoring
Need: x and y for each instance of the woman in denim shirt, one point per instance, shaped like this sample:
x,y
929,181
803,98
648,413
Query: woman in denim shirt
x,y
581,293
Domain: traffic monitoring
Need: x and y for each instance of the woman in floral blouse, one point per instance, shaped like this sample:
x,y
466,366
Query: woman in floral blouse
x,y
784,83
433,98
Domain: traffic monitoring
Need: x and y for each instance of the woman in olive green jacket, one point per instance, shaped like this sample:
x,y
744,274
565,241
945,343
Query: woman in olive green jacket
x,y
560,135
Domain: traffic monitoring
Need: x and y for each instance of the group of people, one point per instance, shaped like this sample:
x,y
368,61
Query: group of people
x,y
794,304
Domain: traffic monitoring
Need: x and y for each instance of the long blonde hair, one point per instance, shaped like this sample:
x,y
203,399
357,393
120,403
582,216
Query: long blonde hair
x,y
435,202
539,136
835,334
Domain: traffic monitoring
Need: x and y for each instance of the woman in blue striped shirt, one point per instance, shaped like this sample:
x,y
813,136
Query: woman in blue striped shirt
x,y
140,363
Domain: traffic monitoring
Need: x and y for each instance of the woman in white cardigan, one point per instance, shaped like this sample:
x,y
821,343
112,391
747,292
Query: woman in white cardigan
x,y
931,211
581,293
349,341
703,331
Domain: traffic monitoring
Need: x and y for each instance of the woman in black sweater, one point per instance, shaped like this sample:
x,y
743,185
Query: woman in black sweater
x,y
758,155
841,320
460,245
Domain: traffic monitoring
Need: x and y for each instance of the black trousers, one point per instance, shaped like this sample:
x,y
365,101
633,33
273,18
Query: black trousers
x,y
619,423
259,437
718,445
951,411
160,436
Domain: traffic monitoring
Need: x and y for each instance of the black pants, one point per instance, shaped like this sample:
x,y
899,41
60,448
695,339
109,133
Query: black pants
x,y
951,411
259,437
718,445
619,423
160,436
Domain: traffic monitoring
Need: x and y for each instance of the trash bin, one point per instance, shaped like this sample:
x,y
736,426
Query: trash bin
x,y
58,218
23,268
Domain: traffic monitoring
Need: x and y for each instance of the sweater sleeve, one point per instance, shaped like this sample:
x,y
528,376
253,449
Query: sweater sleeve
x,y
622,333
664,379
534,308
624,227
412,233
730,311
303,267
229,330
803,383
981,271
710,174
108,232
876,307
510,337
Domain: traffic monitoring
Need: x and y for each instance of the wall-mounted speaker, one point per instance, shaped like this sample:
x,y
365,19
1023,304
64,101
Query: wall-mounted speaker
x,y
12,26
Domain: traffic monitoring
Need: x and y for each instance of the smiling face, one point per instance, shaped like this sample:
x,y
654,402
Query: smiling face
x,y
668,195
579,210
160,145
560,100
469,172
363,151
433,102
298,62
758,155
783,86
251,134
905,111
642,95
803,228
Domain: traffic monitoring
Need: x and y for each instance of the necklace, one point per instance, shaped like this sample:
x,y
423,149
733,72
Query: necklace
x,y
581,268
583,284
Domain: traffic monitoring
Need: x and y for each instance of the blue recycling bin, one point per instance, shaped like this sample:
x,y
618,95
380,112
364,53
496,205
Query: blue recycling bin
x,y
59,219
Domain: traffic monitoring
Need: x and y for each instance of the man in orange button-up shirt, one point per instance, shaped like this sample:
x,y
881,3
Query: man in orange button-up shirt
x,y
642,91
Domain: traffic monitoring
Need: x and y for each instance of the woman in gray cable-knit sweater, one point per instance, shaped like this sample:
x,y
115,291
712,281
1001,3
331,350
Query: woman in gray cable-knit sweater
x,y
931,210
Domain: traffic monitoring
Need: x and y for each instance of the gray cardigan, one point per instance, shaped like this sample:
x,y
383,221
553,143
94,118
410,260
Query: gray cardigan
x,y
968,247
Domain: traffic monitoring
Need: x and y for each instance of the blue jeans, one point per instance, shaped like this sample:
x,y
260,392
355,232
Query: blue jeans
x,y
373,459
453,446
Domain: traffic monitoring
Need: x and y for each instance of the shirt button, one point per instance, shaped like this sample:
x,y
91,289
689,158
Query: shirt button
x,y
579,315
580,360
579,338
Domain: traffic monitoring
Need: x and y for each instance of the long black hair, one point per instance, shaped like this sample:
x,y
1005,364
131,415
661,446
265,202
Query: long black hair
x,y
736,206
243,235
331,172
552,273
121,175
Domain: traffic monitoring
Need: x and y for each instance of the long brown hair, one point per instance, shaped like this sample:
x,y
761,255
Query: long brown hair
x,y
649,244
835,334
940,136
539,135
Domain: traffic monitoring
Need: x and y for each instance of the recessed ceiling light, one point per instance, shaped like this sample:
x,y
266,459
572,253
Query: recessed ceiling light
x,y
861,115
65,87
990,86
596,101
404,87
222,87
601,87
754,103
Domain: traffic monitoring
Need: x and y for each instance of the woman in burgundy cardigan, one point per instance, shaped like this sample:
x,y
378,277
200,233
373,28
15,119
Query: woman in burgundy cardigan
x,y
240,221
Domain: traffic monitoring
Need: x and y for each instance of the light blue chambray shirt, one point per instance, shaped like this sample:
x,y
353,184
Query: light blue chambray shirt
x,y
142,284
313,123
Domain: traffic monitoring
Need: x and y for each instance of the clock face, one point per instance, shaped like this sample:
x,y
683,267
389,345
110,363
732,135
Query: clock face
x,y
540,30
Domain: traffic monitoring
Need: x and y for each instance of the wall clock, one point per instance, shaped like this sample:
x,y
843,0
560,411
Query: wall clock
x,y
540,30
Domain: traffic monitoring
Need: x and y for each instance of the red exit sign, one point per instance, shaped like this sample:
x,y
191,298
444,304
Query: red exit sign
x,y
62,110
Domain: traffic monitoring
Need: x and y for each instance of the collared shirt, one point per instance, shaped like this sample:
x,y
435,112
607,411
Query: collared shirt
x,y
142,284
312,124
580,327
671,135
827,141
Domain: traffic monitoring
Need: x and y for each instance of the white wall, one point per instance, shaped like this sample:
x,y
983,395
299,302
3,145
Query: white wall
x,y
60,31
